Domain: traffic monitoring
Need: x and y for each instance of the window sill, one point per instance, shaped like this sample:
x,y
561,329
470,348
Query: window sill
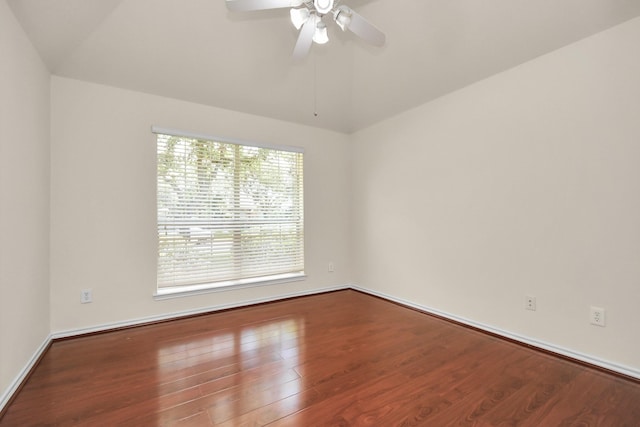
x,y
186,291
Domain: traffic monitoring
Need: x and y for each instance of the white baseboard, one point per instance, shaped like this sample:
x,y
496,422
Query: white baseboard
x,y
19,379
176,315
611,366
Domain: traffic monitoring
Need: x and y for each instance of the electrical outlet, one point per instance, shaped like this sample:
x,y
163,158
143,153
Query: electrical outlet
x,y
597,316
530,303
86,296
331,267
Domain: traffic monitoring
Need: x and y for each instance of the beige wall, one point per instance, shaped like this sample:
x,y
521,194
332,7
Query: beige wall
x,y
525,183
103,202
24,201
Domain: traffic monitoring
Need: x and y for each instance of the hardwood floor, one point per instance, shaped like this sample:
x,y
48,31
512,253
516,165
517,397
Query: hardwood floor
x,y
339,359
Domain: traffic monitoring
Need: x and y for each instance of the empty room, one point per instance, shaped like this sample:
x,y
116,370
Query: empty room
x,y
323,212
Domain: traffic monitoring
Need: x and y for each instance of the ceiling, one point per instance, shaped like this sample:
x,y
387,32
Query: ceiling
x,y
196,50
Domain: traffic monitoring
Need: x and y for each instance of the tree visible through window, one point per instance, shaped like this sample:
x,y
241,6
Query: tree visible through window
x,y
227,213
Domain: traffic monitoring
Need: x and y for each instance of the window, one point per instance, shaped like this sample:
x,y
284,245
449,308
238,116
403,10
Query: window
x,y
229,213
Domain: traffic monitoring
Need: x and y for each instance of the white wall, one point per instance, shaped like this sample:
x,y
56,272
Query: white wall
x,y
103,202
24,201
527,183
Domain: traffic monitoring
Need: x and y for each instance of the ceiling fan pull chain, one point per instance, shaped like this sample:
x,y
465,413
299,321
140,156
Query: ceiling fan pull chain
x,y
315,86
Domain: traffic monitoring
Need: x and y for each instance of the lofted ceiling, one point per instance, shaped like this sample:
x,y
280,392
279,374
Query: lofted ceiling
x,y
196,50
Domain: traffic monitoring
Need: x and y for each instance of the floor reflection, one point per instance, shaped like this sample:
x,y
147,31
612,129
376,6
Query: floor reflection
x,y
232,373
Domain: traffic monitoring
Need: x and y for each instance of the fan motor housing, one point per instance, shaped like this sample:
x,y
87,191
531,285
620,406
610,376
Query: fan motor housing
x,y
323,6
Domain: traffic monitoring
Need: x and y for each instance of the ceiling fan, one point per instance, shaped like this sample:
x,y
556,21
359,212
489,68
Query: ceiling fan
x,y
307,16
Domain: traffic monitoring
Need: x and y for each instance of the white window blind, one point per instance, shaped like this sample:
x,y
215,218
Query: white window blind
x,y
227,213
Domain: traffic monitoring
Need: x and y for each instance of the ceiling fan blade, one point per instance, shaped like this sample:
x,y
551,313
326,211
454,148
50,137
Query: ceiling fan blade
x,y
249,5
363,28
305,38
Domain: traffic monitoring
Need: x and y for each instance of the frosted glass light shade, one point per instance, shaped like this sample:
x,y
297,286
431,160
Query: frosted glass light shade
x,y
321,36
299,17
343,17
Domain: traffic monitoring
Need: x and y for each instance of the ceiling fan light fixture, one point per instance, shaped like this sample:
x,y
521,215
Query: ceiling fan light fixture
x,y
299,17
342,16
307,17
321,36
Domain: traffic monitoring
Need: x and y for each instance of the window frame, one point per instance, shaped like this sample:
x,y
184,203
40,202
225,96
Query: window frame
x,y
166,292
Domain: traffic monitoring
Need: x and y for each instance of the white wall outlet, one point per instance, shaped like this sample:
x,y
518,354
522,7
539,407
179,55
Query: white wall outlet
x,y
331,267
530,303
597,316
86,296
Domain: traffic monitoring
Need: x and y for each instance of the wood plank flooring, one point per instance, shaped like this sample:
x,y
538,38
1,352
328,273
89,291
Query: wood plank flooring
x,y
337,359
